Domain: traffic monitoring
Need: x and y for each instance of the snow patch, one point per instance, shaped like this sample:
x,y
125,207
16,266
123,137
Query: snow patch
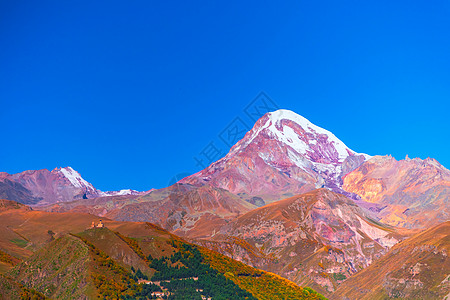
x,y
298,160
75,178
123,192
309,127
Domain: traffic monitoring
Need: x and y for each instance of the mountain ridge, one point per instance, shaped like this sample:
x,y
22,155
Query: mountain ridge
x,y
44,187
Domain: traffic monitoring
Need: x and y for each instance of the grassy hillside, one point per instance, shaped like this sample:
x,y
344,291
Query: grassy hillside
x,y
11,289
59,270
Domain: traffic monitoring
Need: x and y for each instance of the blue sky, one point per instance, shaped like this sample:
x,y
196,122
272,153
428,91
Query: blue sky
x,y
128,93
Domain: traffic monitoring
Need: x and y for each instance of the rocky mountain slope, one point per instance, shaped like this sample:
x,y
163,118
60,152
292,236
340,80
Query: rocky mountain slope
x,y
417,268
289,198
43,187
11,289
284,154
182,208
333,232
319,239
412,193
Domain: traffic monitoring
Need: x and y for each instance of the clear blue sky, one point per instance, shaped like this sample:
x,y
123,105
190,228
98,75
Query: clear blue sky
x,y
129,92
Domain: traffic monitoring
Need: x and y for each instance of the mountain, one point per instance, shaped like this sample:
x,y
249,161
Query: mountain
x,y
416,268
412,193
43,187
68,259
289,198
318,239
181,208
282,155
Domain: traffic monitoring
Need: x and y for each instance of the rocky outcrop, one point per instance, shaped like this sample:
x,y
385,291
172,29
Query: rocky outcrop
x,y
416,268
413,193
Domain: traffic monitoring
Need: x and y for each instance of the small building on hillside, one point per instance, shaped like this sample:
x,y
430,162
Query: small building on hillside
x,y
99,225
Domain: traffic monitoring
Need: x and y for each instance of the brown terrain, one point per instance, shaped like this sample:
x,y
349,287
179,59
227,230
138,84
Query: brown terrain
x,y
60,255
316,239
181,208
416,268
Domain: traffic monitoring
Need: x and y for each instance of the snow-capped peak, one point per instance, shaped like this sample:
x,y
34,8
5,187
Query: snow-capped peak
x,y
282,150
77,181
285,114
301,135
287,134
75,178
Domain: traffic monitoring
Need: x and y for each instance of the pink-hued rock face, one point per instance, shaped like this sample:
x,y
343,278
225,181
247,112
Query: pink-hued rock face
x,y
43,187
284,154
303,236
184,209
417,268
413,192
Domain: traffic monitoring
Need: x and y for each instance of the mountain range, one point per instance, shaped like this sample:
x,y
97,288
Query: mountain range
x,y
289,198
41,187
